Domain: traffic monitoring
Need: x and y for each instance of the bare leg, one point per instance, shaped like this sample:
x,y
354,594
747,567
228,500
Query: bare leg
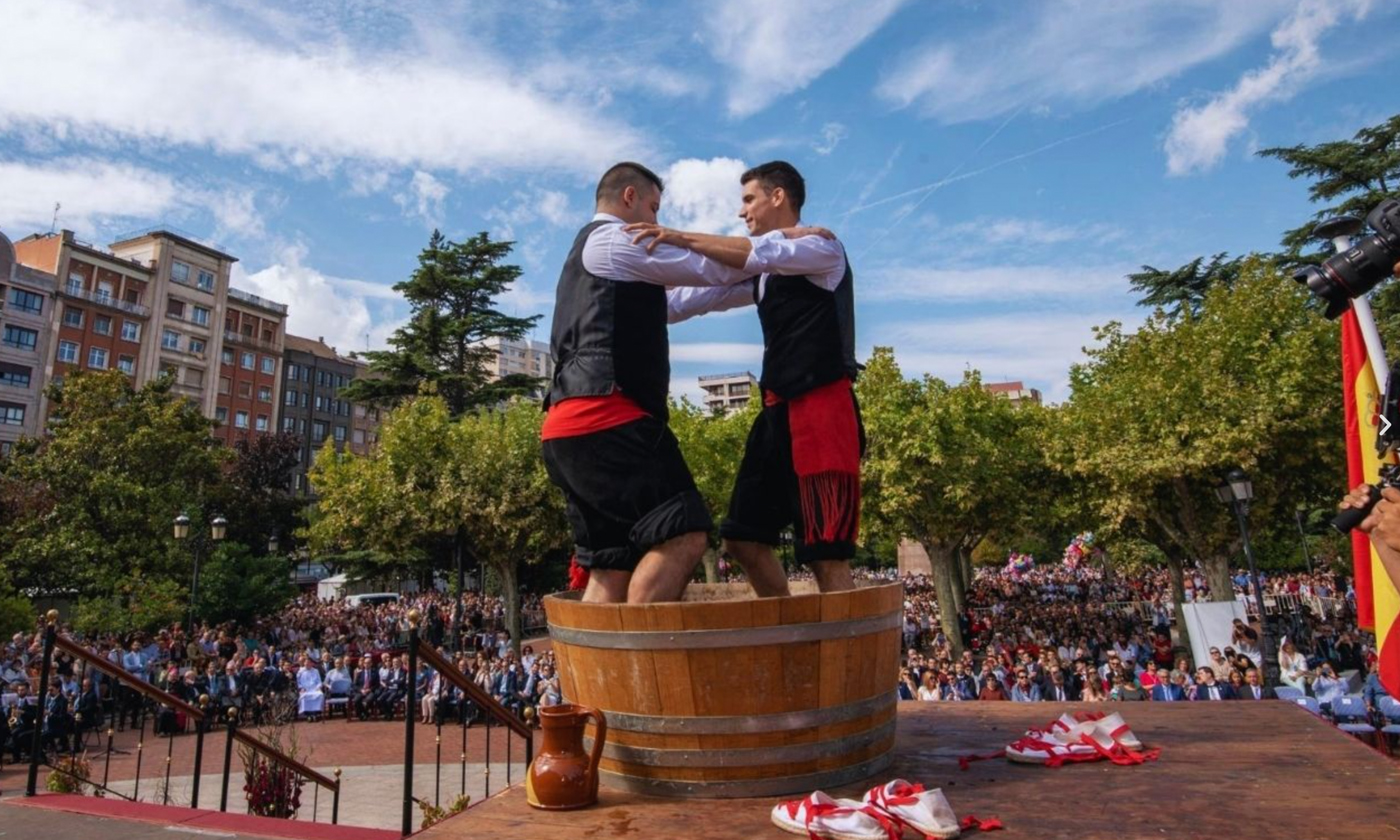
x,y
833,575
606,586
662,573
761,565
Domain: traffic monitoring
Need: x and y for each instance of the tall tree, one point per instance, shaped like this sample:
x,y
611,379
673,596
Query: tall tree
x,y
1181,291
255,496
1157,418
1352,176
452,298
945,466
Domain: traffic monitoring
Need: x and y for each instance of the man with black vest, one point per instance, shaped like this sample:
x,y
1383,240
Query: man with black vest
x,y
801,465
638,521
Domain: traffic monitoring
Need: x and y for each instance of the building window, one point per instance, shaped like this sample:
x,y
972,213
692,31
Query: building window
x,y
132,296
205,281
20,337
320,403
72,317
306,374
318,432
75,283
339,434
201,316
15,376
7,445
197,345
240,419
11,414
269,365
245,361
245,389
68,352
289,424
221,414
104,292
126,365
264,394
301,427
194,377
26,301
291,371
305,399
97,358
170,340
175,308
289,398
260,424
227,357
131,331
225,384
179,272
358,437
102,325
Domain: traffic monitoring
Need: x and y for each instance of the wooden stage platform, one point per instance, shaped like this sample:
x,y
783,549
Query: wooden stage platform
x,y
1238,770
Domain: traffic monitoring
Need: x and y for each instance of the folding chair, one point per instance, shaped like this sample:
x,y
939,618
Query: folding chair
x,y
1350,714
338,695
1389,709
1288,692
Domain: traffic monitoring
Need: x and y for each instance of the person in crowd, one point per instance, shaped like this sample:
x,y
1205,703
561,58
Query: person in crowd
x,y
1293,667
364,695
1024,691
1254,688
1208,688
311,695
1165,690
22,715
1125,687
1327,686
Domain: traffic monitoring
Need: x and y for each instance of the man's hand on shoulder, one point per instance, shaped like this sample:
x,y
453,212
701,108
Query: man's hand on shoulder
x,y
812,230
653,235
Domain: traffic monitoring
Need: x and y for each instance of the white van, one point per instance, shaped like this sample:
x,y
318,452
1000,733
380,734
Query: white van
x,y
372,599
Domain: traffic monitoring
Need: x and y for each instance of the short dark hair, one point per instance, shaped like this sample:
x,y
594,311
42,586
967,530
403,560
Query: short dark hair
x,y
620,176
779,173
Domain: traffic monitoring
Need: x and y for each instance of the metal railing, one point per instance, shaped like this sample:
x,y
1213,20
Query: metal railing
x,y
235,337
472,695
105,299
132,699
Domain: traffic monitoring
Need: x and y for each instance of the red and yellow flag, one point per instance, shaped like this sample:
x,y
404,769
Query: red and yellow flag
x,y
1377,601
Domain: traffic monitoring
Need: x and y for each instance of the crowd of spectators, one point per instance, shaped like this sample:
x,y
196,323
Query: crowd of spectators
x,y
312,658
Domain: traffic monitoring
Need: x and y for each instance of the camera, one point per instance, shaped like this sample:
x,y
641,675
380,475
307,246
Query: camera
x,y
1354,272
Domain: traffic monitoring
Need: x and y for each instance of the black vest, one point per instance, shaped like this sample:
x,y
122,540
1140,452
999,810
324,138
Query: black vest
x,y
809,334
608,334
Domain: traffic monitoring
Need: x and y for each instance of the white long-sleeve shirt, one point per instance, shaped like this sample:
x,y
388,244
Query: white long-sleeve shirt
x,y
822,260
610,253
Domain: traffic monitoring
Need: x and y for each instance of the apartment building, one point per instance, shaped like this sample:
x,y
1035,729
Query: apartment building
x,y
527,357
312,407
728,392
250,366
1015,391
26,301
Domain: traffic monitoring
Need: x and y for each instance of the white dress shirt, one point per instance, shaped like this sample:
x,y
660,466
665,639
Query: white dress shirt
x,y
610,253
822,260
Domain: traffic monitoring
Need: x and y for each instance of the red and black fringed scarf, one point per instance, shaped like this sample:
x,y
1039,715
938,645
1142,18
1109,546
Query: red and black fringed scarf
x,y
826,458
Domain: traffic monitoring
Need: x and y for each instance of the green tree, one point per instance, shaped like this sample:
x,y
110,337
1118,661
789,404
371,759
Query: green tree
x,y
237,584
1352,176
1157,418
103,486
1181,291
255,496
945,466
452,297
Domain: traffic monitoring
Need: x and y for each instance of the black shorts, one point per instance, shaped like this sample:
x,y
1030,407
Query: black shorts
x,y
765,501
626,490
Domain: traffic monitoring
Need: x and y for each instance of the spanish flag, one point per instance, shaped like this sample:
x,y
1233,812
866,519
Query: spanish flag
x,y
1377,601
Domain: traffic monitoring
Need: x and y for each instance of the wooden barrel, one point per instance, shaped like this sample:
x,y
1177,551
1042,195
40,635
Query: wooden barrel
x,y
726,695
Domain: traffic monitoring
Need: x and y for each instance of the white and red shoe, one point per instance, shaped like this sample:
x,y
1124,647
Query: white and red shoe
x,y
1114,727
909,805
822,818
1067,722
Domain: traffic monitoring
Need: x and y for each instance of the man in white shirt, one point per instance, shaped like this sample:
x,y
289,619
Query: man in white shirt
x,y
801,465
640,525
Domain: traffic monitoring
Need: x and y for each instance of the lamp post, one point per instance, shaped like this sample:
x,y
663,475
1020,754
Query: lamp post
x,y
1303,535
1237,492
218,529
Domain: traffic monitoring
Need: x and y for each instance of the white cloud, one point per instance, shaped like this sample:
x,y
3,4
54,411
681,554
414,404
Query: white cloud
x,y
99,196
526,207
1077,52
1199,135
346,313
780,46
831,136
703,195
424,199
716,353
1067,285
174,73
1023,233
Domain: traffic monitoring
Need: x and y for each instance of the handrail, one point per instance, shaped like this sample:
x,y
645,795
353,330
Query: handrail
x,y
258,746
485,701
126,678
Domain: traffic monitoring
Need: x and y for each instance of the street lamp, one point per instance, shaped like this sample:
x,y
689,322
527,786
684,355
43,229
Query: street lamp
x,y
218,528
1303,535
272,544
1237,492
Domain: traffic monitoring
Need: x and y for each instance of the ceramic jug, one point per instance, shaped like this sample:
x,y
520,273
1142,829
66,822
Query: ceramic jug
x,y
563,776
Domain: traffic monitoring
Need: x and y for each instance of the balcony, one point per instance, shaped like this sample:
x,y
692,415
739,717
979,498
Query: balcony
x,y
254,300
104,299
232,337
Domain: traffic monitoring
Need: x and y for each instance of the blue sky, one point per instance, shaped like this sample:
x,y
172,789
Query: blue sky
x,y
994,168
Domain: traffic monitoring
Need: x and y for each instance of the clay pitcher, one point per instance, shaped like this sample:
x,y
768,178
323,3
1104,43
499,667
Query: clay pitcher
x,y
563,777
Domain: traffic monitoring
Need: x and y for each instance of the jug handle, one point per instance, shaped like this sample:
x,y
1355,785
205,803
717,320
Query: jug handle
x,y
600,735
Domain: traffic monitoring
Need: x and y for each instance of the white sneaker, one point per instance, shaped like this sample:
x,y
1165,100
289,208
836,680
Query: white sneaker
x,y
1054,749
926,811
1114,727
833,819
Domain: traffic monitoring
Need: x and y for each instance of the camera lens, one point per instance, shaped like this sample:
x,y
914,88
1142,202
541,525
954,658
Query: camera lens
x,y
1354,272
